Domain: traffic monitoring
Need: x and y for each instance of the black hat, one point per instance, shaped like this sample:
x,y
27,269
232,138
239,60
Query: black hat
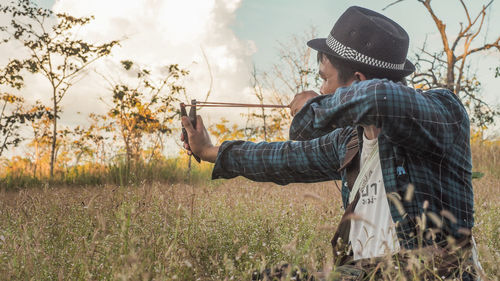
x,y
371,41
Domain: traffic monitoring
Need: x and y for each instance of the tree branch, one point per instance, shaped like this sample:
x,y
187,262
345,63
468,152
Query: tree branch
x,y
439,24
209,72
391,4
462,32
495,44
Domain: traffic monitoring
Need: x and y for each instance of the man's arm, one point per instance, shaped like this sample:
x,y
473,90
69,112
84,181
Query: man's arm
x,y
281,162
423,122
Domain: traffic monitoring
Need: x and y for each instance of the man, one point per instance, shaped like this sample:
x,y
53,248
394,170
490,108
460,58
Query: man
x,y
403,155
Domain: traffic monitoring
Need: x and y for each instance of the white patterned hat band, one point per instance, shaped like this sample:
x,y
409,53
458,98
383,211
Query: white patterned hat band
x,y
349,53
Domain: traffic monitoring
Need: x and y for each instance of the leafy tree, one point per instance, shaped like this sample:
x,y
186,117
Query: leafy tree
x,y
263,124
40,142
449,67
11,118
13,113
9,75
145,109
53,51
223,131
90,141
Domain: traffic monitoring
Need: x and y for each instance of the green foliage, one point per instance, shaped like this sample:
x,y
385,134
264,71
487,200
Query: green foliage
x,y
9,75
127,64
13,116
55,51
477,175
146,109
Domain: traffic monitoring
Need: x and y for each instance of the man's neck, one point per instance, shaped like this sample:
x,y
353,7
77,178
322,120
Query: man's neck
x,y
371,132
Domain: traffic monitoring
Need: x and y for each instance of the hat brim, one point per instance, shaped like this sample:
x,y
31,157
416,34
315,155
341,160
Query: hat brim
x,y
319,44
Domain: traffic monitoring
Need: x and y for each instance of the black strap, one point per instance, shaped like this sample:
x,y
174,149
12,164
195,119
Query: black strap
x,y
351,160
340,240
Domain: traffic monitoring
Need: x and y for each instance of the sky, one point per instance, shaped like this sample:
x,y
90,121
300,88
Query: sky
x,y
234,35
267,22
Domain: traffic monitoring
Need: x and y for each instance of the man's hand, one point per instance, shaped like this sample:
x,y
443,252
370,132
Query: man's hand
x,y
300,99
199,140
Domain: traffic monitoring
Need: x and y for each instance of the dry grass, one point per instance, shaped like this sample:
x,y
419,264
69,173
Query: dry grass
x,y
487,223
214,231
486,158
160,231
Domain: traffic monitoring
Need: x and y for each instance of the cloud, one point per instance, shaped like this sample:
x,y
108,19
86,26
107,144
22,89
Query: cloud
x,y
155,33
159,33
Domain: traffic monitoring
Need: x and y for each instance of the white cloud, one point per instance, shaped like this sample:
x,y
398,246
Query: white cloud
x,y
172,31
156,33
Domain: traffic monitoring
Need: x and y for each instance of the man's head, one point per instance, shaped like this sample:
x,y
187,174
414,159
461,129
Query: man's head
x,y
363,44
335,73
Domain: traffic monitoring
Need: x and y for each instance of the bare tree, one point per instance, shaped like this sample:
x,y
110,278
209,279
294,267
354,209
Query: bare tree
x,y
450,67
296,70
259,93
54,51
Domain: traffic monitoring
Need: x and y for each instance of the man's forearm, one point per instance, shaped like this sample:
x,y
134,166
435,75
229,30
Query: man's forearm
x,y
280,162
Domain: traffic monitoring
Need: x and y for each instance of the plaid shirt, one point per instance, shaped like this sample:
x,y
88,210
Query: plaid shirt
x,y
424,140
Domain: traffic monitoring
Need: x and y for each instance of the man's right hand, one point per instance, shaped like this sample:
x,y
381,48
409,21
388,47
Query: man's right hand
x,y
300,99
199,140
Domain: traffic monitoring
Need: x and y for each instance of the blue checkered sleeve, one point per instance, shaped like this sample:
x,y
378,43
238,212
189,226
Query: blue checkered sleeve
x,y
281,162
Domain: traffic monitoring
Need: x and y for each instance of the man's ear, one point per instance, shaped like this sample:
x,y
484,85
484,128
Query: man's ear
x,y
358,76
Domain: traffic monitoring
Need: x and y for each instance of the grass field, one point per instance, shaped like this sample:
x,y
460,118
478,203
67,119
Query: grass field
x,y
205,231
158,223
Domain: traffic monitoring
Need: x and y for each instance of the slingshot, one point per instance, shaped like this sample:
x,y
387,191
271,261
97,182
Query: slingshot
x,y
194,104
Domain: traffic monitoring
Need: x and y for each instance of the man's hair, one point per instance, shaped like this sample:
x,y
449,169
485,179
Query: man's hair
x,y
346,70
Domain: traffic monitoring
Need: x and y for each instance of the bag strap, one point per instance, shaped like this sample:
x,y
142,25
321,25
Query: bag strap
x,y
340,240
350,165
